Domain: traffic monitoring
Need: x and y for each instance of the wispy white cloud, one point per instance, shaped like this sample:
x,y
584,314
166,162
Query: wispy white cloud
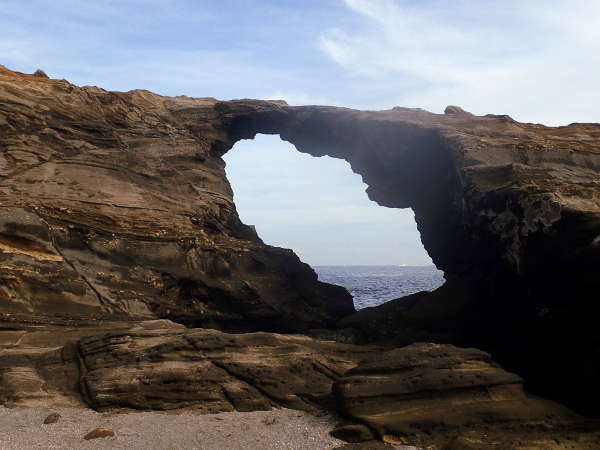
x,y
538,61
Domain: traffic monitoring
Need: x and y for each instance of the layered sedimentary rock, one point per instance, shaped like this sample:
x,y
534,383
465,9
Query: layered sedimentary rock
x,y
163,365
40,364
115,205
423,394
439,394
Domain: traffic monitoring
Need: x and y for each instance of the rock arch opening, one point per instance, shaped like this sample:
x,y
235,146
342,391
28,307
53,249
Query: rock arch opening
x,y
318,208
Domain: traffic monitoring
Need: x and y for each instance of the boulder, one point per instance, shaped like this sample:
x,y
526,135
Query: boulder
x,y
99,433
435,394
52,418
212,371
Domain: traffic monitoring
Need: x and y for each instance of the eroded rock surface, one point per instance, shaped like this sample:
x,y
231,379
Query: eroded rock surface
x,y
423,394
115,205
164,368
163,365
426,394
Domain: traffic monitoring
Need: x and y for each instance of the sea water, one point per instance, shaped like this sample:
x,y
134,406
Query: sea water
x,y
374,285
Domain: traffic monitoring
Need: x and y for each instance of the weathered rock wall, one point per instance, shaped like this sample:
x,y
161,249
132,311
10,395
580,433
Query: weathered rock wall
x,y
116,205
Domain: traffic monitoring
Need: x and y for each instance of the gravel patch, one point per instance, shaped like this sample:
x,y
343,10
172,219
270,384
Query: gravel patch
x,y
285,429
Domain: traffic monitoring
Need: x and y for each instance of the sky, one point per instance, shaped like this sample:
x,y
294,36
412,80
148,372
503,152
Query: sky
x,y
535,60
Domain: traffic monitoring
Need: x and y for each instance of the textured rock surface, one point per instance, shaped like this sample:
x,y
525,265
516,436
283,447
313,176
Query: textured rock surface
x,y
426,394
155,367
162,365
40,364
52,418
421,394
116,205
509,211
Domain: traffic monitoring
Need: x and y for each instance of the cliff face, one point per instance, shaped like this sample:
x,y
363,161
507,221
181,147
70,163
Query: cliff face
x,y
116,205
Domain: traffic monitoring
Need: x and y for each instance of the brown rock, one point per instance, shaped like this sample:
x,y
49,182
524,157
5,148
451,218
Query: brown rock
x,y
369,445
425,394
123,211
99,433
423,387
43,367
40,73
116,206
452,109
52,418
149,367
163,365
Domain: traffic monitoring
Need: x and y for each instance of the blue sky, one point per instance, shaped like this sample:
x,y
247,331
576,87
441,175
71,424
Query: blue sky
x,y
536,60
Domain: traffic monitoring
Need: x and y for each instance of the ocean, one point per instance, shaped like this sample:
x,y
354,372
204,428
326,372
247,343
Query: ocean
x,y
374,285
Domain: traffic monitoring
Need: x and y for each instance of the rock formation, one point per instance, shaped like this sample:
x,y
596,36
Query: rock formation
x,y
115,209
424,393
163,365
116,205
509,211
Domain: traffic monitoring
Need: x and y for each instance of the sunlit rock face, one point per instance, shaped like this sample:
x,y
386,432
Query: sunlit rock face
x,y
426,395
115,205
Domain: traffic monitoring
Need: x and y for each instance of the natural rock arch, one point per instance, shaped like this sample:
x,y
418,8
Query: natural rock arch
x,y
405,163
509,212
116,206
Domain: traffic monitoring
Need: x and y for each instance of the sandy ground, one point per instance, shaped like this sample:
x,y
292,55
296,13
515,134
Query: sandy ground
x,y
285,429
23,428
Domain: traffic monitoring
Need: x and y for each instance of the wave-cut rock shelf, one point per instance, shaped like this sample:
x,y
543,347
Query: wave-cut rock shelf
x,y
128,281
